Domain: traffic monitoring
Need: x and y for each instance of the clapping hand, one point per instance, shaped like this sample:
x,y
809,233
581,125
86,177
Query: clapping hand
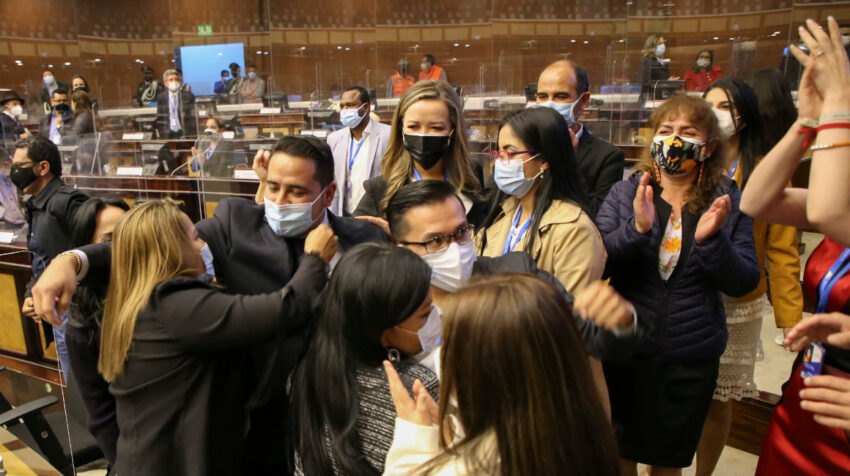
x,y
644,205
713,219
421,410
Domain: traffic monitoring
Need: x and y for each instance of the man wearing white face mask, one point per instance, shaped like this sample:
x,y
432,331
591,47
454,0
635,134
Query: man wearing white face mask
x,y
427,217
256,248
565,87
253,88
11,128
50,84
357,149
175,109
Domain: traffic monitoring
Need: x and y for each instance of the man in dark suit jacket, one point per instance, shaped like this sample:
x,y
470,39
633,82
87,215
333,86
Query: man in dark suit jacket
x,y
564,86
253,253
175,109
48,85
60,120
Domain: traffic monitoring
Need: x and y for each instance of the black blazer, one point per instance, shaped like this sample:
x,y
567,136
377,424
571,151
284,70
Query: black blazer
x,y
181,396
601,164
223,160
10,131
83,123
600,343
186,110
250,258
66,128
376,187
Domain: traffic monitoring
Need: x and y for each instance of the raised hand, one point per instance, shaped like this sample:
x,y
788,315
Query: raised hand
x,y
832,328
644,206
261,164
830,68
322,241
421,410
713,219
601,304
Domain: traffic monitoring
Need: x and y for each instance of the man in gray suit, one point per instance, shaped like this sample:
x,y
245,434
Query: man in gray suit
x,y
357,149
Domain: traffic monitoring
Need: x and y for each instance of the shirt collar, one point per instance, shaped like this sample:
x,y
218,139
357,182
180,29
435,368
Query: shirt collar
x,y
580,130
40,201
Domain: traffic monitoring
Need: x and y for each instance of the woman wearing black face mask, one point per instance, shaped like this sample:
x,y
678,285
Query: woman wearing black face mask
x,y
428,141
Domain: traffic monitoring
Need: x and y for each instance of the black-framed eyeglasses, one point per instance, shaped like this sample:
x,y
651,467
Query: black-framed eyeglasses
x,y
461,236
505,156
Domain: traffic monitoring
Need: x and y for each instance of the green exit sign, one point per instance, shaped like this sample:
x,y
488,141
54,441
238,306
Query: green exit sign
x,y
205,30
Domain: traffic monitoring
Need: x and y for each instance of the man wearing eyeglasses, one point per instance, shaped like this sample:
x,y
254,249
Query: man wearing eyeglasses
x,y
427,217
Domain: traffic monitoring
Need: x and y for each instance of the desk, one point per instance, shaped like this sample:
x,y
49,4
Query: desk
x,y
21,460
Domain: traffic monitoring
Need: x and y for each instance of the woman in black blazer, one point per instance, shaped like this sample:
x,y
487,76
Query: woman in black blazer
x,y
175,348
428,141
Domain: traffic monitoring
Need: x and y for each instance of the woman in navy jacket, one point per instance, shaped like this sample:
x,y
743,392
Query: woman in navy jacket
x,y
675,239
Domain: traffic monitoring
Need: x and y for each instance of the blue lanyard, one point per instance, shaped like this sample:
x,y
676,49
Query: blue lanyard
x,y
211,150
515,235
734,168
835,273
352,154
418,176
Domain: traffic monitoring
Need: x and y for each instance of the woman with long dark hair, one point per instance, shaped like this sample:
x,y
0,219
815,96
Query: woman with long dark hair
x,y
540,208
377,305
675,240
94,222
736,107
703,72
776,105
516,395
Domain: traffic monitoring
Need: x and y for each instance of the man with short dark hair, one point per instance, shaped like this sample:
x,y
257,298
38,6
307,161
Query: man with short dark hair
x,y
429,69
148,89
50,209
253,87
220,87
49,85
60,120
256,248
357,149
235,81
175,109
427,217
565,87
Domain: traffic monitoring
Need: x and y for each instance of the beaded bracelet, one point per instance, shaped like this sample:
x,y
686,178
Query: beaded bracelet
x,y
818,147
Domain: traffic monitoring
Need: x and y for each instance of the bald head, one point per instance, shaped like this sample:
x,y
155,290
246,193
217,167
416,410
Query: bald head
x,y
564,82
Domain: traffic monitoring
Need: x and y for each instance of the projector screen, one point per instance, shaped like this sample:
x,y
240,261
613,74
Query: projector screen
x,y
202,65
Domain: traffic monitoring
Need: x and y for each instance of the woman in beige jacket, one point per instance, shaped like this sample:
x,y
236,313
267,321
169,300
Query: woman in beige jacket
x,y
516,394
542,203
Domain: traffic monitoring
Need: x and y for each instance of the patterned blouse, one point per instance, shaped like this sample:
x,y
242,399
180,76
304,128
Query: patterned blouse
x,y
671,247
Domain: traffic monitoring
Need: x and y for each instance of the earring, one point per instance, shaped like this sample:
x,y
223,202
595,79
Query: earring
x,y
657,172
393,355
701,169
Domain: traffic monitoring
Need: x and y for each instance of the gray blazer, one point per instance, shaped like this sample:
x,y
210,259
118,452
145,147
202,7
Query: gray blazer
x,y
340,142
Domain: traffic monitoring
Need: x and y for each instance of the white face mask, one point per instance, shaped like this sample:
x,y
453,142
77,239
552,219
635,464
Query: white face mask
x,y
423,66
726,123
660,50
510,177
351,118
174,86
565,109
292,220
430,335
16,110
207,256
451,268
703,63
252,75
48,80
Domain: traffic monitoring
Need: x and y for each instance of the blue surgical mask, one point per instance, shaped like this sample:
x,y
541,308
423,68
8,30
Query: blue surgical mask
x,y
351,118
510,177
207,256
565,109
48,80
291,220
660,50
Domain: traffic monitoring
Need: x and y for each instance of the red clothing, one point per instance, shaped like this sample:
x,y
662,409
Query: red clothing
x,y
702,80
795,443
434,73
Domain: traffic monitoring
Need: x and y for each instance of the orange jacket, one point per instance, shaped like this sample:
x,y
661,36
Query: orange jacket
x,y
400,84
435,73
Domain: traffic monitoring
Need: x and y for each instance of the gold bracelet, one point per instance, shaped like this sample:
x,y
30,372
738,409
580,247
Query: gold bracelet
x,y
815,148
78,263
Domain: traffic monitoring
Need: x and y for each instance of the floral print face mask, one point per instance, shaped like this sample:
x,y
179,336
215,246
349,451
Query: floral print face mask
x,y
677,155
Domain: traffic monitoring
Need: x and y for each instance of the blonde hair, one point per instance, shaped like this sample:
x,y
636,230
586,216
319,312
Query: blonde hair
x,y
650,44
149,246
397,165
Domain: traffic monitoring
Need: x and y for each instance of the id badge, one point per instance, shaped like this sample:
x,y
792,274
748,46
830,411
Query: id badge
x,y
813,360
